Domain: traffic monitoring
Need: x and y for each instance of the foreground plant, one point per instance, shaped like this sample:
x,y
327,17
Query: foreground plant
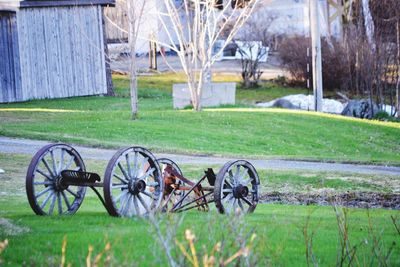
x,y
346,252
89,260
228,241
210,259
309,235
3,245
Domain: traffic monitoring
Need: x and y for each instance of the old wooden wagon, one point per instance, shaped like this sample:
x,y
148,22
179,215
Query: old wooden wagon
x,y
136,183
52,49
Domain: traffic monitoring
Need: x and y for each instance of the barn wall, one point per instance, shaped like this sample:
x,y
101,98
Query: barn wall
x,y
61,51
10,79
117,22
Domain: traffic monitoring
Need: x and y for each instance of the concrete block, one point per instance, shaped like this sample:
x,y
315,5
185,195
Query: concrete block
x,y
212,96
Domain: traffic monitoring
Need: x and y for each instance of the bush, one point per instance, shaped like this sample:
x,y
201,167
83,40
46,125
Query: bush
x,y
350,65
384,116
296,60
381,115
293,55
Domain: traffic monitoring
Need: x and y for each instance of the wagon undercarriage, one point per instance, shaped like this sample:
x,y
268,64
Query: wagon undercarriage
x,y
135,183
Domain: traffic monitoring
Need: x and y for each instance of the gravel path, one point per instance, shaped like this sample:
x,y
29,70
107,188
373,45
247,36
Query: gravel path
x,y
24,146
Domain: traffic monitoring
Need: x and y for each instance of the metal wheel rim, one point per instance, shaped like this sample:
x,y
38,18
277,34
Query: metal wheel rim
x,y
124,172
45,195
231,176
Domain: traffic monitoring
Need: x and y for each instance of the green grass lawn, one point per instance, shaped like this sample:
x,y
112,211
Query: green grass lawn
x,y
279,228
35,240
161,85
242,132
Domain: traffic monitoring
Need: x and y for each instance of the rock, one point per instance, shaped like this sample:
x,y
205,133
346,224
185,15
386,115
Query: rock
x,y
389,110
2,171
304,102
284,103
360,109
269,104
332,106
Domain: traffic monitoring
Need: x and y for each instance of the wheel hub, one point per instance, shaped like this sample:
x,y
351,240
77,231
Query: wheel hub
x,y
135,187
240,191
58,184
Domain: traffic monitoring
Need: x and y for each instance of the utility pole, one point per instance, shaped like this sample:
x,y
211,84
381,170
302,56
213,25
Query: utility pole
x,y
398,62
316,55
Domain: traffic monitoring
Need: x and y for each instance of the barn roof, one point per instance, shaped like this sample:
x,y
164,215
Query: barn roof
x,y
15,4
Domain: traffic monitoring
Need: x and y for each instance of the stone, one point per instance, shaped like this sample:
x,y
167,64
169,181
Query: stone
x,y
212,96
2,171
284,103
304,102
391,110
360,109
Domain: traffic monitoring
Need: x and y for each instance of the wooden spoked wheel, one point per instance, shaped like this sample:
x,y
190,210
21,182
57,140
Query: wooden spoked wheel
x,y
46,193
133,184
172,184
237,187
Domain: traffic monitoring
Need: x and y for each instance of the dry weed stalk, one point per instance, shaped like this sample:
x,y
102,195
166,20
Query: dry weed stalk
x,y
308,239
165,238
345,251
3,245
209,259
99,256
89,263
378,249
395,224
232,241
63,252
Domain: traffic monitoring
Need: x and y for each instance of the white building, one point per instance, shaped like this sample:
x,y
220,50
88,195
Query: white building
x,y
150,25
291,17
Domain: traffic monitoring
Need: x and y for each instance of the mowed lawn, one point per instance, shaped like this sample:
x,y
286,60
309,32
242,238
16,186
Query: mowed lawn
x,y
282,231
37,240
238,131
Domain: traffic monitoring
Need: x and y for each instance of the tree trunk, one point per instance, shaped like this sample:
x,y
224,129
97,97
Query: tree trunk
x,y
199,89
132,34
133,86
369,24
110,88
193,91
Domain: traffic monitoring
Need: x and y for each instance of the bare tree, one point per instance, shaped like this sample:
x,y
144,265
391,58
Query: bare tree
x,y
256,38
123,23
135,11
193,27
368,23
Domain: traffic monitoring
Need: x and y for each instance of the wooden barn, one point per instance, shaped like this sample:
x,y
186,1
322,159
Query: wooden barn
x,y
53,49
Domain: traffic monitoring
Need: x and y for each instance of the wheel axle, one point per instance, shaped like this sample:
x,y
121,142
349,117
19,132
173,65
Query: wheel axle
x,y
136,187
240,191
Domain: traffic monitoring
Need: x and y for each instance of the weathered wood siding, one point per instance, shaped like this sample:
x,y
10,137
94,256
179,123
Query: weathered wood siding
x,y
10,79
61,51
117,22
